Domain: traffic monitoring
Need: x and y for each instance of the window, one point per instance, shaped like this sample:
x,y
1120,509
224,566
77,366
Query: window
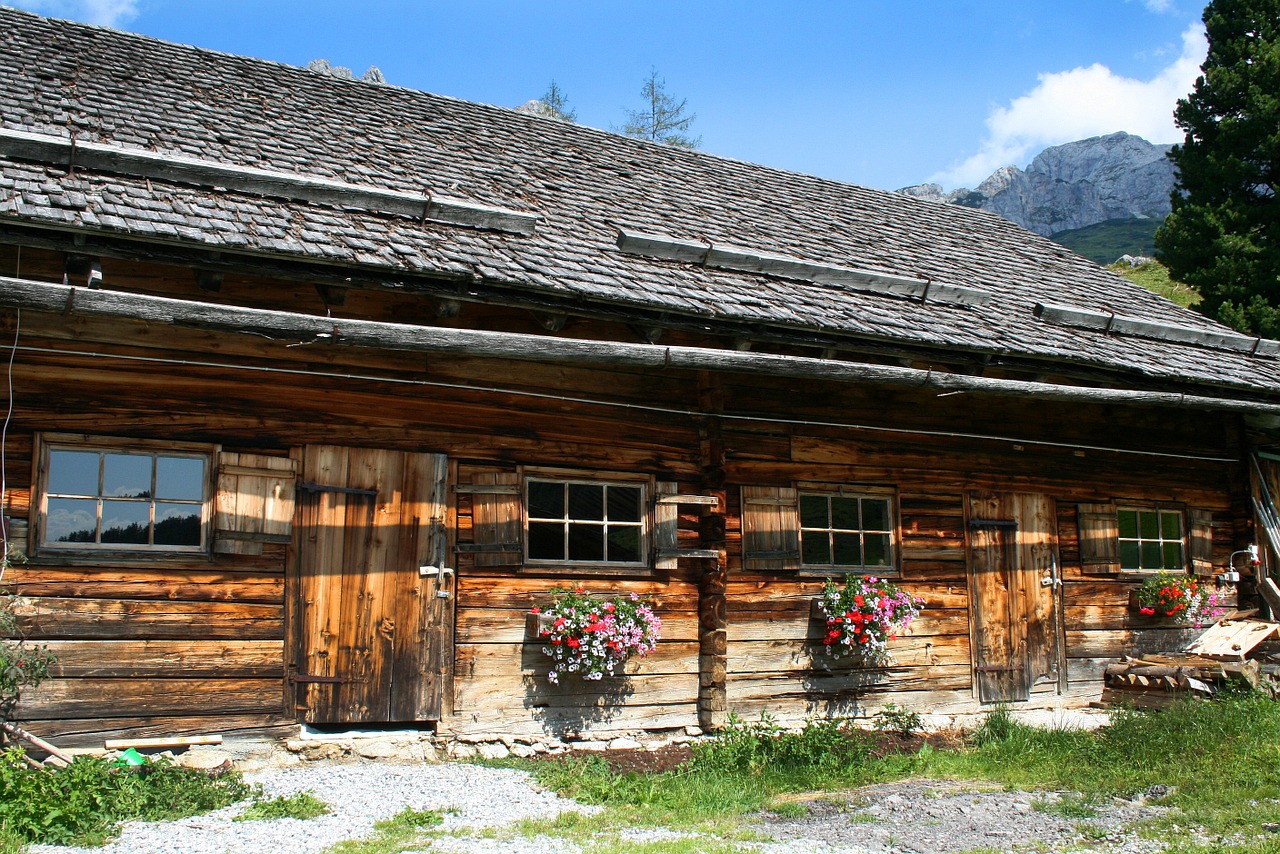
x,y
839,531
1150,539
585,521
819,528
128,496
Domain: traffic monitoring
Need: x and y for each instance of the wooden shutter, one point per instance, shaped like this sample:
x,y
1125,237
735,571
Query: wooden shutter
x,y
1099,538
254,502
497,520
666,525
1200,541
770,528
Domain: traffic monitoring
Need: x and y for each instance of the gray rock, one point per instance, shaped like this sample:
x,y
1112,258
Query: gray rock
x,y
377,749
493,750
624,744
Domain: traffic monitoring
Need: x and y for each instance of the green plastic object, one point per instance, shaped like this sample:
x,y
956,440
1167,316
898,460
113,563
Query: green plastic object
x,y
130,758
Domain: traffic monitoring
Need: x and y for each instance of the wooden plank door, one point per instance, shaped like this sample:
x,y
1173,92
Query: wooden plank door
x,y
372,624
1013,593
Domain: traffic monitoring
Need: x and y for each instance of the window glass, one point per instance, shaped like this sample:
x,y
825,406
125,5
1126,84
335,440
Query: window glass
x,y
106,498
592,522
73,472
845,532
1150,539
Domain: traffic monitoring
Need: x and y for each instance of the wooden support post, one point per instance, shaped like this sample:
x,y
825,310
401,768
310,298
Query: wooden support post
x,y
712,617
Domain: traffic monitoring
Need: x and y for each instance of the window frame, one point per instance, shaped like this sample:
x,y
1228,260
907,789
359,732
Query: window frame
x,y
888,494
648,492
154,449
1184,538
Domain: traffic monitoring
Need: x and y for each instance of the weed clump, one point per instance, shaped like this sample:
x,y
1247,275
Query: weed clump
x,y
85,802
302,805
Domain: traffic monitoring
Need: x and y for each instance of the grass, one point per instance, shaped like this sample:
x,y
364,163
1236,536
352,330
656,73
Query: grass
x,y
302,805
408,828
1155,278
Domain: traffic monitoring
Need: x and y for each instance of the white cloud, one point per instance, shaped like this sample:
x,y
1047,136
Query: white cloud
x,y
1080,103
1157,5
109,13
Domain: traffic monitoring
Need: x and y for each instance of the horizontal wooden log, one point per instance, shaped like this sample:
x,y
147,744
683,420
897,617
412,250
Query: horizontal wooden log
x,y
797,711
142,659
477,589
747,657
535,691
106,698
746,592
486,625
512,661
50,618
178,584
937,623
784,685
586,722
92,731
60,299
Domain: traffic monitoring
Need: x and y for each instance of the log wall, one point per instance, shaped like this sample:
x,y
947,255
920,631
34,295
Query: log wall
x,y
167,647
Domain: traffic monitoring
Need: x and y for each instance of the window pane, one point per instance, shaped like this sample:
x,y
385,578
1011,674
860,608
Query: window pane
x,y
1173,556
1128,554
875,514
848,551
1151,555
586,542
586,501
1148,525
624,503
1128,522
877,550
177,524
546,500
126,476
624,543
73,473
126,522
72,520
179,477
546,541
1171,526
844,513
815,547
813,511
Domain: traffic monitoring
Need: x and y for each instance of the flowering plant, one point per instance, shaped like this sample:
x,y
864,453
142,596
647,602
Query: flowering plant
x,y
592,637
1182,597
865,614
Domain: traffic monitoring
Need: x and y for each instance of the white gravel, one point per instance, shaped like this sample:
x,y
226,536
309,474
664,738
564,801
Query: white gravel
x,y
357,795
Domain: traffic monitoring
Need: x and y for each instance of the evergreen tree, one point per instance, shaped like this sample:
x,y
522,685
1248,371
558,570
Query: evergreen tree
x,y
662,119
556,104
1223,236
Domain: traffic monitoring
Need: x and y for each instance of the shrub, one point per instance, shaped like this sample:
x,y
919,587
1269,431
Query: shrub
x,y
22,664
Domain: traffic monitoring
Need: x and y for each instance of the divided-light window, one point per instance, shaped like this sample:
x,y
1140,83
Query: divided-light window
x,y
846,532
124,499
588,522
1150,539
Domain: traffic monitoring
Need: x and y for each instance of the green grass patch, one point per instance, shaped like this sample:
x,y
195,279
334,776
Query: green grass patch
x,y
1155,278
84,803
409,828
300,805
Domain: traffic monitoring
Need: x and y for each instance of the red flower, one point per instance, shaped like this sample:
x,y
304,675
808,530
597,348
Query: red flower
x,y
574,643
535,610
609,607
1148,611
859,601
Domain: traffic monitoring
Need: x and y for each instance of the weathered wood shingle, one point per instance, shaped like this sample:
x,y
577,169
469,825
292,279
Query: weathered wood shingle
x,y
583,185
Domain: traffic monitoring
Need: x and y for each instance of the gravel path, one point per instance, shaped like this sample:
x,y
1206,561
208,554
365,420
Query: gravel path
x,y
897,818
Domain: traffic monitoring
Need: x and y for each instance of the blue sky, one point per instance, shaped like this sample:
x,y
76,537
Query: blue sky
x,y
875,92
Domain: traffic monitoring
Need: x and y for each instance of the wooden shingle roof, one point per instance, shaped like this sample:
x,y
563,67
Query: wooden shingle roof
x,y
568,193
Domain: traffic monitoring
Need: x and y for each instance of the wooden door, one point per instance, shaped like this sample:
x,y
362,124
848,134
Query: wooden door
x,y
1013,593
372,623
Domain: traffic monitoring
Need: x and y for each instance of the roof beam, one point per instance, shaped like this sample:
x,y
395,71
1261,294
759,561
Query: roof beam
x,y
293,326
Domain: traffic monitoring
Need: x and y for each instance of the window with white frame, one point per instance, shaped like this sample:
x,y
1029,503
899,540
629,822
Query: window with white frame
x,y
846,531
585,522
124,496
1150,538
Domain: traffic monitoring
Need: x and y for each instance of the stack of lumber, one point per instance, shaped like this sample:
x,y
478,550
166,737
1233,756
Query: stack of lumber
x,y
1155,681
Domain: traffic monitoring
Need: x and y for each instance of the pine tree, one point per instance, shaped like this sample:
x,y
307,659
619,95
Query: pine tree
x,y
1223,236
662,119
556,104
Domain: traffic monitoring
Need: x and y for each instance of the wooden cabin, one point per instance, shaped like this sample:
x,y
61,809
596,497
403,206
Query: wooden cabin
x,y
299,368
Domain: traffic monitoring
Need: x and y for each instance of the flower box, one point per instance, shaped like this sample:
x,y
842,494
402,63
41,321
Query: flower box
x,y
861,616
592,637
